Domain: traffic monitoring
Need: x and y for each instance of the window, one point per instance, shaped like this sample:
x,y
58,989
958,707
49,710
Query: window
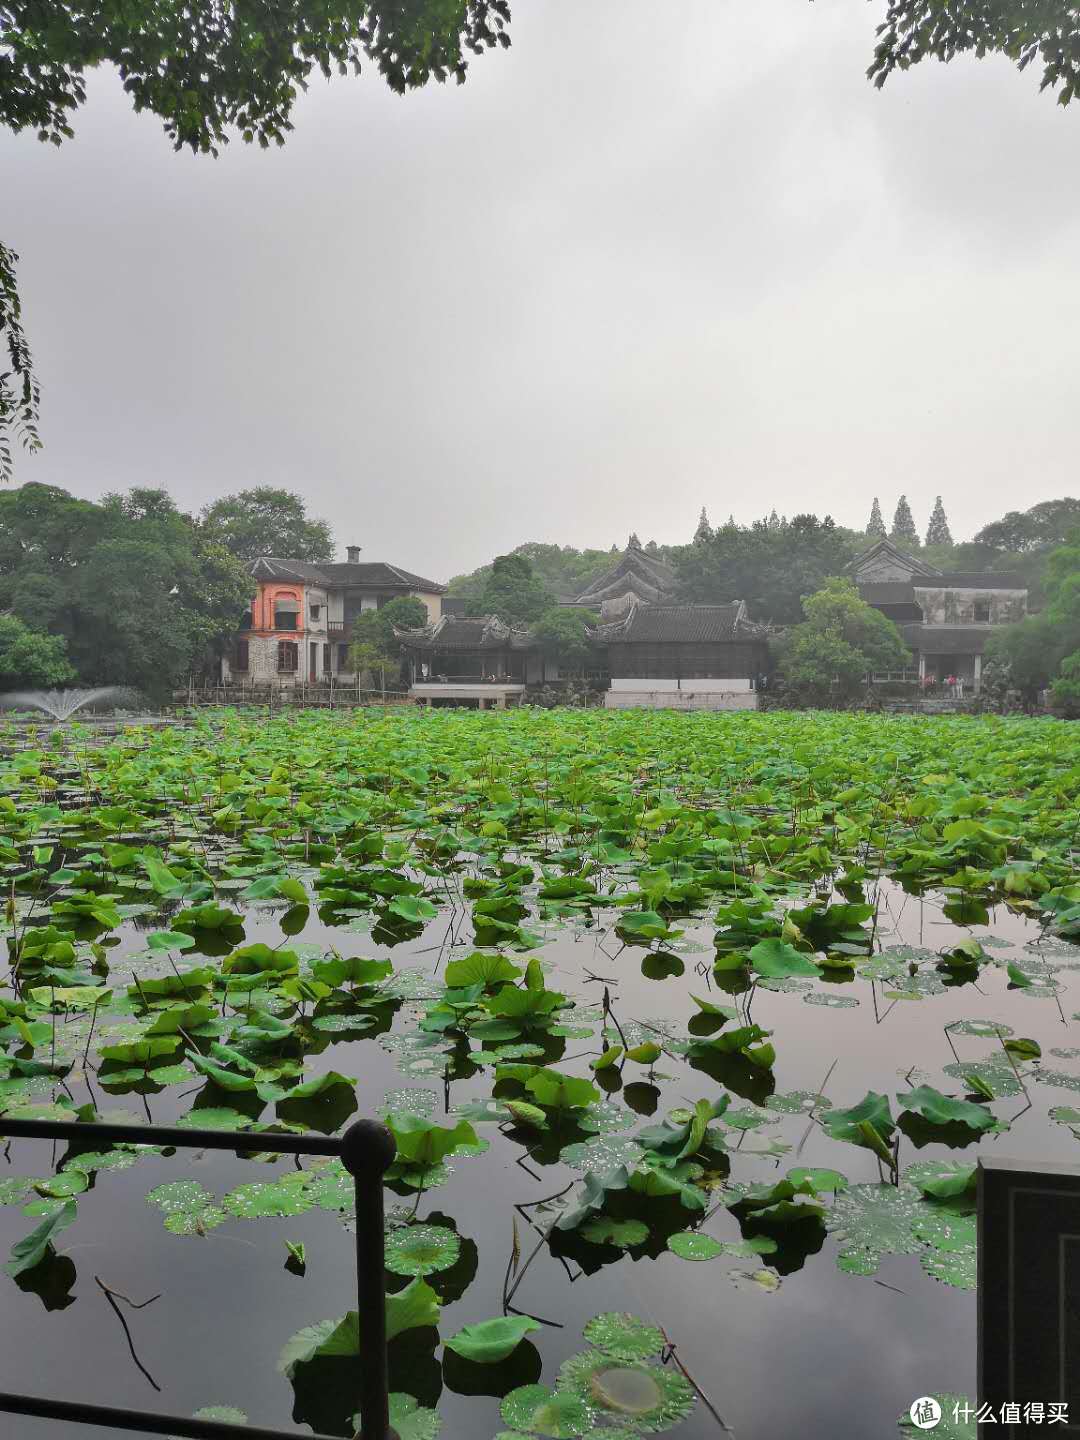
x,y
245,620
240,655
315,611
982,612
287,657
286,612
343,657
326,659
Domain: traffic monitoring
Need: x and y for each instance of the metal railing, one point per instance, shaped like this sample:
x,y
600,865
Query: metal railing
x,y
366,1150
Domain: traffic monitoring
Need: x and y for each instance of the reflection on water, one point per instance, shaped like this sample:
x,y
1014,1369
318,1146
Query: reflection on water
x,y
827,1354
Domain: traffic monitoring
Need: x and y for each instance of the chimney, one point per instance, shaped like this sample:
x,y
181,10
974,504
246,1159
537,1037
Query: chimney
x,y
353,553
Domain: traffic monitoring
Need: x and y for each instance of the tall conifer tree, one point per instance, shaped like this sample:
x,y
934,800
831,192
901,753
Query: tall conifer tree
x,y
938,532
903,530
876,525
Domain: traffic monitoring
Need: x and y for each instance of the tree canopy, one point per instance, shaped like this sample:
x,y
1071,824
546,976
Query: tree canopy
x,y
512,591
138,594
1023,30
1034,650
29,658
266,521
841,641
769,566
563,632
563,570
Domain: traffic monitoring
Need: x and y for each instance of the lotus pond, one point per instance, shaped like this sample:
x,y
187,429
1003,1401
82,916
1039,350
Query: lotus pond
x,y
689,1029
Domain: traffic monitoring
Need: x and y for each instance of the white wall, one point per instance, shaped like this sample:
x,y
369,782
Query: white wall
x,y
675,686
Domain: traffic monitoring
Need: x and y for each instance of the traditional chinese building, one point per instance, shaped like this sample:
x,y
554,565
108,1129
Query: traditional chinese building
x,y
685,657
460,659
636,578
300,622
946,617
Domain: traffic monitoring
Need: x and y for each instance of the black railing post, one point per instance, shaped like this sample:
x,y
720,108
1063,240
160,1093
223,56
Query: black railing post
x,y
367,1152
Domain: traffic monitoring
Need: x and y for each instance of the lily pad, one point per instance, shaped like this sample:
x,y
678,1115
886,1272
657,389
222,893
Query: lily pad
x,y
421,1249
491,1341
546,1412
624,1336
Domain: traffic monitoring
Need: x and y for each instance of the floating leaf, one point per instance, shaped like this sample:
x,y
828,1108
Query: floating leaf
x,y
490,1341
624,1336
421,1249
536,1408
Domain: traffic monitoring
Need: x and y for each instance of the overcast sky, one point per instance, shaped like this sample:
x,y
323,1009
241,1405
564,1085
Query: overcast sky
x,y
649,259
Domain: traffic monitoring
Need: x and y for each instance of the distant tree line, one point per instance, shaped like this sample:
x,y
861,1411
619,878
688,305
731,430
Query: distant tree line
x,y
130,591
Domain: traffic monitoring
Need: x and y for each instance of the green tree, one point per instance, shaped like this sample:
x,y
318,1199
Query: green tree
x,y
1041,528
407,612
841,641
19,391
1022,30
564,635
876,525
29,658
771,567
1034,649
561,569
267,521
903,530
1065,691
938,532
704,529
138,593
512,591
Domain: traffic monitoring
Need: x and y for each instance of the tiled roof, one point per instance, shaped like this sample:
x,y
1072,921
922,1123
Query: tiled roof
x,y
372,574
892,553
635,572
459,632
972,580
686,623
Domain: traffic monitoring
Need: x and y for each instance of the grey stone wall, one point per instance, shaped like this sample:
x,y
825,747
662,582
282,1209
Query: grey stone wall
x,y
957,607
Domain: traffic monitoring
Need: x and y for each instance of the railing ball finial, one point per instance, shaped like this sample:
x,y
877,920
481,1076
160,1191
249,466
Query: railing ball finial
x,y
367,1150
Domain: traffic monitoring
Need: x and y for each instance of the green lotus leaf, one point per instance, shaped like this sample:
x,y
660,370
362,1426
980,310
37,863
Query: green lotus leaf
x,y
690,1245
169,940
415,1306
32,1249
821,1180
942,1180
624,1234
652,1397
481,968
544,1412
777,960
938,1109
69,1182
490,1341
15,1188
421,1249
259,1199
624,1336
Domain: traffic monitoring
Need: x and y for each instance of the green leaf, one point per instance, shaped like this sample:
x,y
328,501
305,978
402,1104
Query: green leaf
x,y
608,1058
481,968
165,940
32,1248
873,1110
413,908
415,1306
490,1341
1017,976
777,960
561,1092
938,1109
645,1054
